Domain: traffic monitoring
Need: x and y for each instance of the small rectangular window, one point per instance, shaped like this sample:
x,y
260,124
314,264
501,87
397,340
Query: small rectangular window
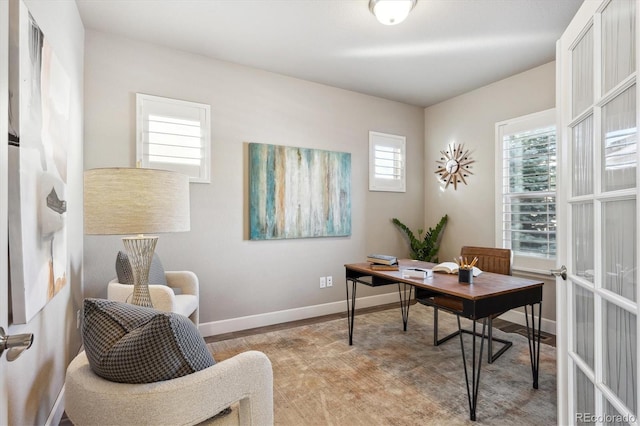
x,y
387,162
174,135
526,186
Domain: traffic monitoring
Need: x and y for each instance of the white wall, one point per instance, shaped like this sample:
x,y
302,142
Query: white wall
x,y
470,119
33,382
239,277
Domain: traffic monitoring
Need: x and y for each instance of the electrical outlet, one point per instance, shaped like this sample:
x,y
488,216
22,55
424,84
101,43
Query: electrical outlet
x,y
323,282
78,319
329,281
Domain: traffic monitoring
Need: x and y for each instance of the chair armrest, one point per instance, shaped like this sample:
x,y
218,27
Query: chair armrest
x,y
162,296
186,281
247,377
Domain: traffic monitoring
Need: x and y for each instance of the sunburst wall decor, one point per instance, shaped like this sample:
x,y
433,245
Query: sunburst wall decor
x,y
454,165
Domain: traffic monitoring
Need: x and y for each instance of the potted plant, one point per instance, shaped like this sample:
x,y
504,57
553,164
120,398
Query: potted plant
x,y
424,248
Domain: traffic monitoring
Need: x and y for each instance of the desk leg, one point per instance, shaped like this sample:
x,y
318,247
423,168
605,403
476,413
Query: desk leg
x,y
351,308
472,392
534,341
405,291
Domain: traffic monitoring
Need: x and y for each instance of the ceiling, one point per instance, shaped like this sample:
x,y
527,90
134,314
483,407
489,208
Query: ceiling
x,y
443,49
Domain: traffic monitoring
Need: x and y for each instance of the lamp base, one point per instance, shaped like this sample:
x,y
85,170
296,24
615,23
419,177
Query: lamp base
x,y
140,250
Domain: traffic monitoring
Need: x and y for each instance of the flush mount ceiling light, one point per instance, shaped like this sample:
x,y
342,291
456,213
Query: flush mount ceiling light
x,y
391,12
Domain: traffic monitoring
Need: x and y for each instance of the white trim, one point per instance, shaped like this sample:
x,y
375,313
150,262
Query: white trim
x,y
58,409
147,105
546,118
517,317
278,317
394,142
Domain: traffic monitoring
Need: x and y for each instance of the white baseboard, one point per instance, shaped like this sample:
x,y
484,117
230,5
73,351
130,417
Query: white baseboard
x,y
547,325
57,411
278,317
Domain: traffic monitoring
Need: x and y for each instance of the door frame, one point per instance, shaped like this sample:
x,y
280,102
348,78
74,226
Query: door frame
x,y
585,17
4,227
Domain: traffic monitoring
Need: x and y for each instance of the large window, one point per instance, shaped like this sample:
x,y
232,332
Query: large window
x,y
174,135
387,162
526,188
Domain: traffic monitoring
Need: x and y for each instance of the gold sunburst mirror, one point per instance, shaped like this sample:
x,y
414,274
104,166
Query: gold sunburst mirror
x,y
454,165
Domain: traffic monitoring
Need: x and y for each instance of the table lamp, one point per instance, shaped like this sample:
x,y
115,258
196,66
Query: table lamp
x,y
125,201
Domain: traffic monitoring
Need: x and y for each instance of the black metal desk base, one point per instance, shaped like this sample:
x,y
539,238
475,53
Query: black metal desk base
x,y
534,341
533,338
405,292
472,392
491,356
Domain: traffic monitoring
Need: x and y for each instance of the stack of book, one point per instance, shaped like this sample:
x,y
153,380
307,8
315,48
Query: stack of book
x,y
383,262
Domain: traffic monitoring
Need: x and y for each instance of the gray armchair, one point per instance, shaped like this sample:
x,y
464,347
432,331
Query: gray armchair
x,y
184,301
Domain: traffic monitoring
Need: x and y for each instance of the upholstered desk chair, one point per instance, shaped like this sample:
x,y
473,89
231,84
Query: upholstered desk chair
x,y
171,291
496,260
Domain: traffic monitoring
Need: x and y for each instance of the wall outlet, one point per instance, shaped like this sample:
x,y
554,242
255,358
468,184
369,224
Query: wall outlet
x,y
323,282
78,319
329,281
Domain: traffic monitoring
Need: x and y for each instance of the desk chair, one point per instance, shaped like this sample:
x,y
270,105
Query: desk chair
x,y
498,261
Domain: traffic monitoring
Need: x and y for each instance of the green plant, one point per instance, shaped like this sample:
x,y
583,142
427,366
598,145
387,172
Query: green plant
x,y
426,248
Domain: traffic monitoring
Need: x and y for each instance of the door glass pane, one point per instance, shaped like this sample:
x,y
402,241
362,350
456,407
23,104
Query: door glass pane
x,y
618,42
582,74
582,155
583,397
619,142
619,247
612,417
583,257
583,323
620,353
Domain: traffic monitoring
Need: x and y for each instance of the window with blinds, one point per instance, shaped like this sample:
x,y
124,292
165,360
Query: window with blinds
x,y
527,185
174,135
387,162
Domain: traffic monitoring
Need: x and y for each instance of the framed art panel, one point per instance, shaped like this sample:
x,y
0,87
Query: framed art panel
x,y
39,133
298,192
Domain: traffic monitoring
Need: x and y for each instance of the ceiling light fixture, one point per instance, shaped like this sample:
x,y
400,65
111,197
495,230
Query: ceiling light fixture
x,y
391,12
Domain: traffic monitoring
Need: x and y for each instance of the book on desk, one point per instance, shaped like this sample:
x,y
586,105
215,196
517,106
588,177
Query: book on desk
x,y
382,259
452,268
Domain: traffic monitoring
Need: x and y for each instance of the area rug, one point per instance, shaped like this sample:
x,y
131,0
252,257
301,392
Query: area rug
x,y
392,377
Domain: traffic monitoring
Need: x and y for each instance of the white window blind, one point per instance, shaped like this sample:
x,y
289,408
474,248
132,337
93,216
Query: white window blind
x,y
526,185
387,162
174,135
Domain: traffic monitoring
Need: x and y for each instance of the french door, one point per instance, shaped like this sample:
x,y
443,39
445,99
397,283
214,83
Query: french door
x,y
597,305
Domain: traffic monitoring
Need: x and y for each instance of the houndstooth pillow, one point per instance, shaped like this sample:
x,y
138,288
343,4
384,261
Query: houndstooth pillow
x,y
131,344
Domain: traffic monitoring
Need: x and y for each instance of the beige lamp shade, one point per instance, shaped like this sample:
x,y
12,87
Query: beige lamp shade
x,y
125,201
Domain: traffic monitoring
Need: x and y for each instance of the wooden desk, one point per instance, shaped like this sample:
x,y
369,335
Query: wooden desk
x,y
489,294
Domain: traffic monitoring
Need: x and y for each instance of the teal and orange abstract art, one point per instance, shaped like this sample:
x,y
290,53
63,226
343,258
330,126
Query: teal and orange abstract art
x,y
298,192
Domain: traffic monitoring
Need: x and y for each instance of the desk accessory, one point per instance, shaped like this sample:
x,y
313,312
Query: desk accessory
x,y
417,273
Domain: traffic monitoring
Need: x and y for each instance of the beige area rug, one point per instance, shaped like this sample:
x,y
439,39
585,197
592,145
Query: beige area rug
x,y
391,377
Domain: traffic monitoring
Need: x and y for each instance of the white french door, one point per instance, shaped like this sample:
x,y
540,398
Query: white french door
x,y
597,310
4,225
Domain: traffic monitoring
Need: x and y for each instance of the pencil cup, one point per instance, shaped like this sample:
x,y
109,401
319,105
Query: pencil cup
x,y
465,276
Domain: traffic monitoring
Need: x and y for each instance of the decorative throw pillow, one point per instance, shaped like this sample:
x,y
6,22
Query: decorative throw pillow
x,y
132,344
125,273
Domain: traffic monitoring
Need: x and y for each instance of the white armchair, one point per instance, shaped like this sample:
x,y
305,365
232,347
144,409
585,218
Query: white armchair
x,y
163,297
246,378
